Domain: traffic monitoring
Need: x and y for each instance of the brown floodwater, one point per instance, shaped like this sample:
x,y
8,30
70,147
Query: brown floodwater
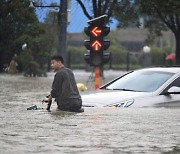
x,y
97,130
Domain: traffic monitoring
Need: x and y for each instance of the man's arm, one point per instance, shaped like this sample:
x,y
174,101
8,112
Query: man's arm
x,y
57,85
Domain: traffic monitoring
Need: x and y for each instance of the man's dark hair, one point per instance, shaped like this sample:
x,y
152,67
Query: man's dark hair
x,y
58,58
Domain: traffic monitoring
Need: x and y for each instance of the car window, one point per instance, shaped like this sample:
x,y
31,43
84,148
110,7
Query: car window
x,y
145,81
176,83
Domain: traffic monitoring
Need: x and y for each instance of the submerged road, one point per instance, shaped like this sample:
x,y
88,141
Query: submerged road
x,y
97,130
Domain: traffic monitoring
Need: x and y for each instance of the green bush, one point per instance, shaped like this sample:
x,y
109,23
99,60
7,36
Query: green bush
x,y
119,57
30,67
118,54
158,55
76,55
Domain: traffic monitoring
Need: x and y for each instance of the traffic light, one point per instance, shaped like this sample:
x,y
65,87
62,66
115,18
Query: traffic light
x,y
96,43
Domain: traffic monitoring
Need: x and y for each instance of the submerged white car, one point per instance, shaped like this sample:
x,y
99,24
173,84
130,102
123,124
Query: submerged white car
x,y
140,88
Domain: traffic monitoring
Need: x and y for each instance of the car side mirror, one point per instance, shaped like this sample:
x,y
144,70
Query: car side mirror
x,y
173,90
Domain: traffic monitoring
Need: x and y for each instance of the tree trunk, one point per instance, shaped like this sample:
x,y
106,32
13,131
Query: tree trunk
x,y
177,37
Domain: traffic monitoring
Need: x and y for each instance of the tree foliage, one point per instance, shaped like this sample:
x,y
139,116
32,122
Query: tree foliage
x,y
19,25
126,13
167,13
159,15
15,17
52,30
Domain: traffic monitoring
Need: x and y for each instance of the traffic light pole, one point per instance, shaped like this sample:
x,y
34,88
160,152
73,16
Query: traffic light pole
x,y
97,78
96,45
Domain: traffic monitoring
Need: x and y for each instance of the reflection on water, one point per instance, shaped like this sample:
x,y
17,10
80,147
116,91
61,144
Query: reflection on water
x,y
97,130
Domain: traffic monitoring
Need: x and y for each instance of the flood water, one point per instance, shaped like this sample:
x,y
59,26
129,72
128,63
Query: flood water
x,y
96,131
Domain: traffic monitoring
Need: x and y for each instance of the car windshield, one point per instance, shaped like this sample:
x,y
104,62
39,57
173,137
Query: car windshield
x,y
143,80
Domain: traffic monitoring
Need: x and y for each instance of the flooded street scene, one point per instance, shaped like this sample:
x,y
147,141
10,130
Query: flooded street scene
x,y
96,130
89,77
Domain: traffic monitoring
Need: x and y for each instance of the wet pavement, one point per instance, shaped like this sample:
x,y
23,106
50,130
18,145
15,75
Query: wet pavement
x,y
97,130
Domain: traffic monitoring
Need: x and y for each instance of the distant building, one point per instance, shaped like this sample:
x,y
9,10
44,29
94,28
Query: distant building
x,y
134,38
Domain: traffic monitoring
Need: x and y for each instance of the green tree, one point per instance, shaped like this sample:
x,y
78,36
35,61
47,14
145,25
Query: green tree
x,y
38,48
163,15
126,12
159,15
52,30
15,17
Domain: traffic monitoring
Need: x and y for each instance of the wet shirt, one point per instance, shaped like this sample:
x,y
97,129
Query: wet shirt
x,y
64,86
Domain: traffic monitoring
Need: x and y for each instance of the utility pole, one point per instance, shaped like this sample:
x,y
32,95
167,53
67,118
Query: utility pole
x,y
62,21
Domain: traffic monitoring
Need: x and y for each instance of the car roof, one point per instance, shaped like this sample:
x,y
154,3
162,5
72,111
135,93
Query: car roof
x,y
164,69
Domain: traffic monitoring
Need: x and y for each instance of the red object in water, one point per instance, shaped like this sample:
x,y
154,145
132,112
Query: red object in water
x,y
171,56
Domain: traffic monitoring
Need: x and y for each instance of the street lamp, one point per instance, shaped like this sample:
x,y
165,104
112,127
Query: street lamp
x,y
24,46
146,49
147,56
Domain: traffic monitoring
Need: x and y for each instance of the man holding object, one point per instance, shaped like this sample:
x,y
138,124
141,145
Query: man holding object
x,y
64,88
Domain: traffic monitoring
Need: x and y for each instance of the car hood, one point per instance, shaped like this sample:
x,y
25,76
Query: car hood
x,y
108,97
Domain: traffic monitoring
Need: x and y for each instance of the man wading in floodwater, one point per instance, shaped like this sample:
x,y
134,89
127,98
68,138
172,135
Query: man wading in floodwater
x,y
64,88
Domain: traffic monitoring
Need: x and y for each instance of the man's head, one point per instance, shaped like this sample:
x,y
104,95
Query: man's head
x,y
57,62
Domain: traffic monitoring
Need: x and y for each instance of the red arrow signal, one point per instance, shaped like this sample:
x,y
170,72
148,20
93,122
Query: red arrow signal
x,y
96,45
96,32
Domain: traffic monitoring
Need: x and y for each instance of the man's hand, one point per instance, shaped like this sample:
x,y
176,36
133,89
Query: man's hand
x,y
47,99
